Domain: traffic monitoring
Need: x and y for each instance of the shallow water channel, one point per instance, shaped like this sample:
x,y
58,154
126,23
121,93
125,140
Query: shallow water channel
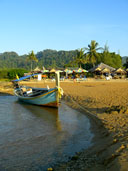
x,y
35,138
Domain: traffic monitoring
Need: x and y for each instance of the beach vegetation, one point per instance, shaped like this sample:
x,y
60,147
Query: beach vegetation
x,y
91,54
112,59
32,58
80,57
83,57
11,73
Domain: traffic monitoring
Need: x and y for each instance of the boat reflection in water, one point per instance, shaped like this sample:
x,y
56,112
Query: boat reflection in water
x,y
39,137
47,114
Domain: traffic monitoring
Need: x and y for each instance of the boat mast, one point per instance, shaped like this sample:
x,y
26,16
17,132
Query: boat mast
x,y
57,75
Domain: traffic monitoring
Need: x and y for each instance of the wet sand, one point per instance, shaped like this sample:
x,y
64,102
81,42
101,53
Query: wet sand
x,y
106,104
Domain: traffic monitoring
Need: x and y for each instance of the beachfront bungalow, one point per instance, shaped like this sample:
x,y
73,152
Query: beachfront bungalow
x,y
120,73
102,69
36,70
105,70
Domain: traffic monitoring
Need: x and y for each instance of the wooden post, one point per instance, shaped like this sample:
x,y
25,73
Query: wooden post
x,y
57,75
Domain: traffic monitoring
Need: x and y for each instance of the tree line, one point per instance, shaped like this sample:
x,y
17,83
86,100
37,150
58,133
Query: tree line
x,y
47,58
90,56
11,73
85,57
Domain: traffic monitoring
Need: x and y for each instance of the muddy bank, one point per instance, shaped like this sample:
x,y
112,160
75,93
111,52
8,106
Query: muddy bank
x,y
6,88
106,104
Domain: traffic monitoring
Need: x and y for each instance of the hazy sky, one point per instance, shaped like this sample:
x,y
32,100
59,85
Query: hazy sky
x,y
27,25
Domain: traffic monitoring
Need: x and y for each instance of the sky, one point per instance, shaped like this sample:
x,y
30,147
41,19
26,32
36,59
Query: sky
x,y
27,25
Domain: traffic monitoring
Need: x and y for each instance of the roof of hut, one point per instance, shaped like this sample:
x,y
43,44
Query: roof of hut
x,y
37,69
100,67
105,70
120,70
53,70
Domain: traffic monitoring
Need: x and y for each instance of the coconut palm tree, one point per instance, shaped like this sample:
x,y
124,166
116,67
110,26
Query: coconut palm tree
x,y
31,57
105,55
92,55
106,48
80,57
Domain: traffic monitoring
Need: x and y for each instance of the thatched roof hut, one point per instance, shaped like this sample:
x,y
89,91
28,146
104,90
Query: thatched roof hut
x,y
36,70
120,71
52,70
98,69
105,70
102,67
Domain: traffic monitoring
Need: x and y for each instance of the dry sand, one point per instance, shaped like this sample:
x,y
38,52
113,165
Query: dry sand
x,y
106,104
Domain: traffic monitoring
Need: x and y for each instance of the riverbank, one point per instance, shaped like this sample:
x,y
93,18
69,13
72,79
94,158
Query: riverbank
x,y
106,104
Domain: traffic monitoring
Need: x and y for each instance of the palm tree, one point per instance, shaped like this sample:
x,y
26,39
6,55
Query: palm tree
x,y
31,57
80,57
106,48
91,55
105,55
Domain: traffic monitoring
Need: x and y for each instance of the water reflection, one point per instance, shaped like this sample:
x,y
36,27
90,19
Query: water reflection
x,y
50,115
34,137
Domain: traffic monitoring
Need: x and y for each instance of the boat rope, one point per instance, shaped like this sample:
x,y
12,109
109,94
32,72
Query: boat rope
x,y
60,92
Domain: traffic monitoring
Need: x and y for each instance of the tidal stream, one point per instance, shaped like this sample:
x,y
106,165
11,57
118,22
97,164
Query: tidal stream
x,y
35,138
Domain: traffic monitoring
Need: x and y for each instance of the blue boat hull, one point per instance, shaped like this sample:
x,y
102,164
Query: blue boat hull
x,y
49,98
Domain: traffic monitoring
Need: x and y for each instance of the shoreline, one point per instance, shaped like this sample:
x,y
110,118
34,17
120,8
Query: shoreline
x,y
105,104
86,158
89,159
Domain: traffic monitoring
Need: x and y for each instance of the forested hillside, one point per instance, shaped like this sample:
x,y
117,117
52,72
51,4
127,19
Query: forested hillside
x,y
47,58
58,59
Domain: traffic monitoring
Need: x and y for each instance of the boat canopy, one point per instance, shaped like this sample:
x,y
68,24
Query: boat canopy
x,y
23,78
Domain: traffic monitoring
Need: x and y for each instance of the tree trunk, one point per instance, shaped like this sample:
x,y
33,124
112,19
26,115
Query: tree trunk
x,y
31,65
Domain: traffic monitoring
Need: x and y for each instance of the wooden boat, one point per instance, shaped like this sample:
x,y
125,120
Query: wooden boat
x,y
38,96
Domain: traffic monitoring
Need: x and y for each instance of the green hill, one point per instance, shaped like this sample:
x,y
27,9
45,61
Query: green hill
x,y
54,59
46,58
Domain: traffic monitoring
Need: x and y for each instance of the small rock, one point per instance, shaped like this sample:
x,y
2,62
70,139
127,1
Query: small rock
x,y
122,146
115,140
114,112
75,157
126,112
50,169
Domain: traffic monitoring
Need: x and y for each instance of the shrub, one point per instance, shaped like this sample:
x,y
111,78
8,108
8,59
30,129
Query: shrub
x,y
13,72
4,73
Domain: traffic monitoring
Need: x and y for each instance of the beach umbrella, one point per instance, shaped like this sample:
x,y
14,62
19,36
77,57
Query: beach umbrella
x,y
59,71
84,70
78,70
44,71
68,71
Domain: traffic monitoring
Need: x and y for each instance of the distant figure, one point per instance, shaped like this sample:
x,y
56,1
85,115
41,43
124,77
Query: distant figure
x,y
108,77
85,78
74,78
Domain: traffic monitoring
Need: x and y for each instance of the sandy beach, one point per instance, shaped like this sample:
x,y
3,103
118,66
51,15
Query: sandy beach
x,y
106,105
